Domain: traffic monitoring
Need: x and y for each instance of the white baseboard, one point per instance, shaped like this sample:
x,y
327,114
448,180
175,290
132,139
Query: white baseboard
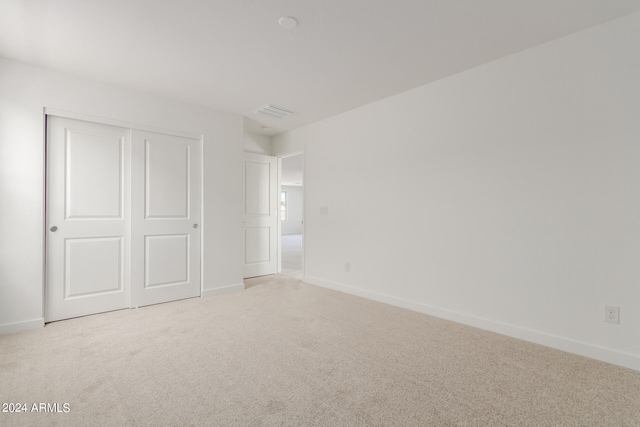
x,y
569,345
10,328
223,290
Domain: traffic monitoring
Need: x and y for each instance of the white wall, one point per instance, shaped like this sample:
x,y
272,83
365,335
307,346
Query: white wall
x,y
257,143
24,92
506,196
293,224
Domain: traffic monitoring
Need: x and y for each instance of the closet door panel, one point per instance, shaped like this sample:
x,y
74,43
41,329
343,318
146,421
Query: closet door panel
x,y
87,215
165,218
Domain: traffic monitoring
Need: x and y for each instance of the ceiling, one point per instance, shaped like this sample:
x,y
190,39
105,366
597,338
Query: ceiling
x,y
232,55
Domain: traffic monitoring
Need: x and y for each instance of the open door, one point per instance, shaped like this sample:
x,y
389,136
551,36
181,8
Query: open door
x,y
261,204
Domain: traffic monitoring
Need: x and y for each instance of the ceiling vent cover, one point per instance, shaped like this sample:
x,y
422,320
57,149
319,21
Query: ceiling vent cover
x,y
273,111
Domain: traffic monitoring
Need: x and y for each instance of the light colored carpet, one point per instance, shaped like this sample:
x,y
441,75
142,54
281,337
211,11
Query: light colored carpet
x,y
291,249
284,353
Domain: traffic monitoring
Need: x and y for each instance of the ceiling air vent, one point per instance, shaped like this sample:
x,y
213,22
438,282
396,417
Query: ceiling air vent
x,y
273,111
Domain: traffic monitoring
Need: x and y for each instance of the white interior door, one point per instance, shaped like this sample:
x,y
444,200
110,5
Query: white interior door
x,y
88,211
261,203
165,219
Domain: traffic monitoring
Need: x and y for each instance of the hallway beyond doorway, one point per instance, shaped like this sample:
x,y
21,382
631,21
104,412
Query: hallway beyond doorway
x,y
292,254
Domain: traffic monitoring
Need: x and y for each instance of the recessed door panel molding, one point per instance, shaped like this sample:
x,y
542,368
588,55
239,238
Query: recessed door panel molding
x,y
261,218
93,266
167,178
88,212
94,178
258,249
167,260
257,193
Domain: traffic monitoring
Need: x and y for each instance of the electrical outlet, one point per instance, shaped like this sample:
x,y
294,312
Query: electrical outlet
x,y
612,314
347,267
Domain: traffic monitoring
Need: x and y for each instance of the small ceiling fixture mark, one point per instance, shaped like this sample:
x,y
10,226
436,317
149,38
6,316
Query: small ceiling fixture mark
x,y
288,22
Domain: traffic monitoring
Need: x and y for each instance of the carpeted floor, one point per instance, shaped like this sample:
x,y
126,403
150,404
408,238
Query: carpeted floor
x,y
291,246
284,353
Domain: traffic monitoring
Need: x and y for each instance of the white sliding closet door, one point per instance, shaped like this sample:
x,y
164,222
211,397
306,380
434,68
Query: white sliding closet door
x,y
123,218
165,219
87,218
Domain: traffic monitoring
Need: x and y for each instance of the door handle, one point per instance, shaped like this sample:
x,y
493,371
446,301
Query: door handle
x,y
53,229
195,225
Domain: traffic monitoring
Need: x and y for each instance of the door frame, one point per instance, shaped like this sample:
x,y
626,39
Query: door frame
x,y
304,219
47,111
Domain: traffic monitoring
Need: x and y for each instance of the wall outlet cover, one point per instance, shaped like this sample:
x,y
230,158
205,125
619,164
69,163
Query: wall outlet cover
x,y
611,314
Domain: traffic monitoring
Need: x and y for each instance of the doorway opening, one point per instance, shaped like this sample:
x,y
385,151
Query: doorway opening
x,y
291,214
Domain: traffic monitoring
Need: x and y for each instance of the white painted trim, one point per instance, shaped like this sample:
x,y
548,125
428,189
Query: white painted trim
x,y
304,204
120,123
43,240
278,201
11,328
201,222
223,290
603,354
